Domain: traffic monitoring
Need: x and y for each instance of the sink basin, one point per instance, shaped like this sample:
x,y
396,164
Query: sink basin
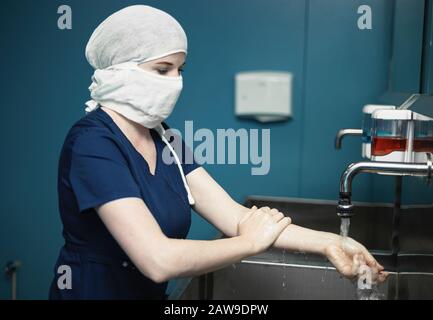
x,y
264,280
416,230
277,274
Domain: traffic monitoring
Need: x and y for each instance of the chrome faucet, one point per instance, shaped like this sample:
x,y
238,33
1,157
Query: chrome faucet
x,y
345,132
345,206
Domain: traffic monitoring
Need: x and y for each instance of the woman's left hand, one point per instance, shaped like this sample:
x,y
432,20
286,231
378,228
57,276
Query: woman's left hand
x,y
348,257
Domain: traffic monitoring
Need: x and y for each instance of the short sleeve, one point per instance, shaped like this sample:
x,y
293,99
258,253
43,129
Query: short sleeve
x,y
99,172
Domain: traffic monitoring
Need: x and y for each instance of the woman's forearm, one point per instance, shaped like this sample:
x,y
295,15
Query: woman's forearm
x,y
184,258
296,238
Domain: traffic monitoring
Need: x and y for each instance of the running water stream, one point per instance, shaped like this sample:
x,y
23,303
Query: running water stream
x,y
366,286
344,227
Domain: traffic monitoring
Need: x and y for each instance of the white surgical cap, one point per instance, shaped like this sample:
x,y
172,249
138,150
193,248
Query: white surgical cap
x,y
136,33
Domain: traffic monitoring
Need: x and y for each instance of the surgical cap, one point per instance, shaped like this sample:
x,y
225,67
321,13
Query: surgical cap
x,y
136,33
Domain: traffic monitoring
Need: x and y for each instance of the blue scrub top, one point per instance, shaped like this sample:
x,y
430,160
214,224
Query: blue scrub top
x,y
99,164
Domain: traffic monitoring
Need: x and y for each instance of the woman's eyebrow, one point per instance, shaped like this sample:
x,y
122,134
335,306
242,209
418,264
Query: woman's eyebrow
x,y
170,64
165,62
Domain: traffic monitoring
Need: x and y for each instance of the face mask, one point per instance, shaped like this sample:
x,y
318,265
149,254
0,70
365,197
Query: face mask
x,y
141,96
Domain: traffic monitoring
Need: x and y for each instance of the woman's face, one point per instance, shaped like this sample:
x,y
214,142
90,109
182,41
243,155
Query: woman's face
x,y
170,66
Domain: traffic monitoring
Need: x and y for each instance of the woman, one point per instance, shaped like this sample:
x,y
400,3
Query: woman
x,y
125,211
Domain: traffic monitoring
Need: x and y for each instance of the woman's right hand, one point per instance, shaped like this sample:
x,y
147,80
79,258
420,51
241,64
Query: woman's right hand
x,y
261,227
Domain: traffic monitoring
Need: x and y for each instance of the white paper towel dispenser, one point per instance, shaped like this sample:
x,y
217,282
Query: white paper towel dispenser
x,y
264,95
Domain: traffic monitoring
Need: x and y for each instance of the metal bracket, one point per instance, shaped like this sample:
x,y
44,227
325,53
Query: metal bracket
x,y
430,168
11,271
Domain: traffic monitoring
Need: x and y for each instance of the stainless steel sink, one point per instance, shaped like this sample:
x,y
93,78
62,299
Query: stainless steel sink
x,y
263,280
277,274
416,230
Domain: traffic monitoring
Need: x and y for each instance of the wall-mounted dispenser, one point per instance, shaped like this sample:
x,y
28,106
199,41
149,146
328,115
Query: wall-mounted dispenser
x,y
367,124
264,95
423,140
397,133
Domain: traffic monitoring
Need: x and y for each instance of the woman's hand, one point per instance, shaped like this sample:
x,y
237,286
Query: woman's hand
x,y
261,227
349,257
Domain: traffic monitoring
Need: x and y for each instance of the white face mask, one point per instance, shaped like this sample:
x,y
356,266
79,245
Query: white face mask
x,y
141,96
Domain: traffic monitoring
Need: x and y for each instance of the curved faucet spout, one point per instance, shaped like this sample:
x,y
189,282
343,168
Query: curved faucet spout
x,y
345,132
345,206
396,168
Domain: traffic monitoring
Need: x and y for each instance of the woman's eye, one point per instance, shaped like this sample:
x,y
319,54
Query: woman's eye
x,y
162,71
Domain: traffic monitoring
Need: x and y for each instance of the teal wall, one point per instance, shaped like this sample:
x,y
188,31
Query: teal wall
x,y
405,70
428,52
337,69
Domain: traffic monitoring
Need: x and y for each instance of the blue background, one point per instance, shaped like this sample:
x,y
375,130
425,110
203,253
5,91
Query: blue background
x,y
337,69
